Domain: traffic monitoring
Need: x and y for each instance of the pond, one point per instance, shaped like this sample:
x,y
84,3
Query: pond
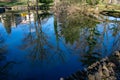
x,y
47,47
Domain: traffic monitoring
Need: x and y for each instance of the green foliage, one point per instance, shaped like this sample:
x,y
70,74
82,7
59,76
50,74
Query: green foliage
x,y
46,1
11,3
92,2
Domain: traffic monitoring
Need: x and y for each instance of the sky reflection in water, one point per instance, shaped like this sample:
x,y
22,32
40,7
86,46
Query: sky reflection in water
x,y
45,52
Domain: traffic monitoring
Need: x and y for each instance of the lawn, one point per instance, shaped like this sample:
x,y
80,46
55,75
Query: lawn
x,y
11,3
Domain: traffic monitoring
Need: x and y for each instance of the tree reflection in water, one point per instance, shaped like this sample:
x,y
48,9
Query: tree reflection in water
x,y
4,64
37,41
116,34
85,36
90,37
10,20
6,20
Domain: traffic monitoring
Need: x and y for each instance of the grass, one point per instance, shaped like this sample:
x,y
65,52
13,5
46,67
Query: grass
x,y
11,3
109,7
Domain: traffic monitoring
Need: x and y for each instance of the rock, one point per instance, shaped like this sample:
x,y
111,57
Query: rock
x,y
110,64
91,77
97,76
106,71
117,54
61,78
100,70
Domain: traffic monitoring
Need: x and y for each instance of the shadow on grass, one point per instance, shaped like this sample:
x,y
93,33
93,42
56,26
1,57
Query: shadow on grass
x,y
111,13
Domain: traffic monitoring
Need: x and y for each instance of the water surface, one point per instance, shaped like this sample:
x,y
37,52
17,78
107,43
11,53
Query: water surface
x,y
47,47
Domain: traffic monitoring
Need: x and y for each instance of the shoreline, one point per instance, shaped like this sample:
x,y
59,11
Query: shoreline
x,y
107,68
